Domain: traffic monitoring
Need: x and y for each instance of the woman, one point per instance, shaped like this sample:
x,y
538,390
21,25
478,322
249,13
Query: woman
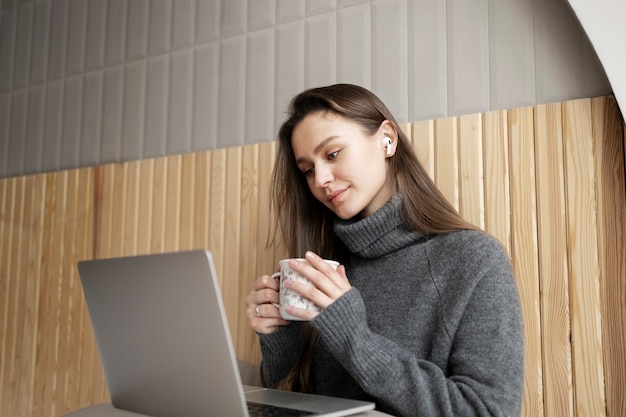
x,y
423,317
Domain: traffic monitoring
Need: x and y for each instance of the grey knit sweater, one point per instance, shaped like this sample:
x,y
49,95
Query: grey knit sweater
x,y
431,327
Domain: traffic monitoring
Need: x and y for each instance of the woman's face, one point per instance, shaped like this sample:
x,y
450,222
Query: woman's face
x,y
344,167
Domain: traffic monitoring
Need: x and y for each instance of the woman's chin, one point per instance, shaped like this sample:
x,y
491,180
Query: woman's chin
x,y
344,213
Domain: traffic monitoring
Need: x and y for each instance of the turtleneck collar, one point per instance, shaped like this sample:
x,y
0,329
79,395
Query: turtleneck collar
x,y
378,234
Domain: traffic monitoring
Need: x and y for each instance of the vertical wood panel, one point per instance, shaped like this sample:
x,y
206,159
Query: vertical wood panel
x,y
91,377
41,362
28,314
172,204
187,202
266,260
45,360
11,377
57,393
583,260
145,206
159,198
608,138
407,130
423,139
109,235
553,271
118,215
524,250
103,217
218,210
6,237
231,275
247,340
447,159
131,209
19,313
471,192
202,193
496,169
71,299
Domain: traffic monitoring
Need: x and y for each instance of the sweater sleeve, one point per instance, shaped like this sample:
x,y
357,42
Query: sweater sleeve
x,y
484,376
280,351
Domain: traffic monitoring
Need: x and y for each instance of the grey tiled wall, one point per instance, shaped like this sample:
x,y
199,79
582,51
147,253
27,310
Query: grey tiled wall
x,y
85,82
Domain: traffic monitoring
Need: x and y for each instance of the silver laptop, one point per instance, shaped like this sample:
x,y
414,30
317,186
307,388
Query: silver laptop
x,y
164,341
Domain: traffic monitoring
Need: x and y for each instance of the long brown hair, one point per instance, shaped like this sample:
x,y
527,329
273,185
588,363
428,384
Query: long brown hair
x,y
305,223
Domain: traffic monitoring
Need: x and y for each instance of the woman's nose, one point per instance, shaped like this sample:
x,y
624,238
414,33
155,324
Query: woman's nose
x,y
323,176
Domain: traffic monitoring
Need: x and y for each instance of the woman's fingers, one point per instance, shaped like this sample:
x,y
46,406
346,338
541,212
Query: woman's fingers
x,y
330,281
265,281
261,305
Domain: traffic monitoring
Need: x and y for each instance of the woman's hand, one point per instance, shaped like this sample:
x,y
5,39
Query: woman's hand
x,y
328,284
262,305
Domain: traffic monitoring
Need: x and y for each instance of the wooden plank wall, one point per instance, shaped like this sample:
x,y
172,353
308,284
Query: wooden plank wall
x,y
548,181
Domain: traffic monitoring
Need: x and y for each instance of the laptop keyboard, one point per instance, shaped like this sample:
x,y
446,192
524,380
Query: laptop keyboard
x,y
266,410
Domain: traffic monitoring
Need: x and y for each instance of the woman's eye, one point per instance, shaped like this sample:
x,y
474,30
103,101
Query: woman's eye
x,y
308,172
333,155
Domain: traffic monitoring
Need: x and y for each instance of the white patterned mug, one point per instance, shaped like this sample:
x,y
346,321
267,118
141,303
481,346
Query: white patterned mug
x,y
289,297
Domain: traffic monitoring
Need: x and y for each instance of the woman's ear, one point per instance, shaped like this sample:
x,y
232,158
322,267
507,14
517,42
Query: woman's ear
x,y
390,137
388,145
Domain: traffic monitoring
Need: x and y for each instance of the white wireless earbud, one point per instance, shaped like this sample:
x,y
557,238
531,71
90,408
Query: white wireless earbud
x,y
387,141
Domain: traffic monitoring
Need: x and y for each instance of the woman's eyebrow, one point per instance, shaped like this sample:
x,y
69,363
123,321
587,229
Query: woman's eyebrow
x,y
317,149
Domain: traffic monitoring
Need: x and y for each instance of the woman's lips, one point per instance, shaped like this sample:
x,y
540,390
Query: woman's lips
x,y
335,196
